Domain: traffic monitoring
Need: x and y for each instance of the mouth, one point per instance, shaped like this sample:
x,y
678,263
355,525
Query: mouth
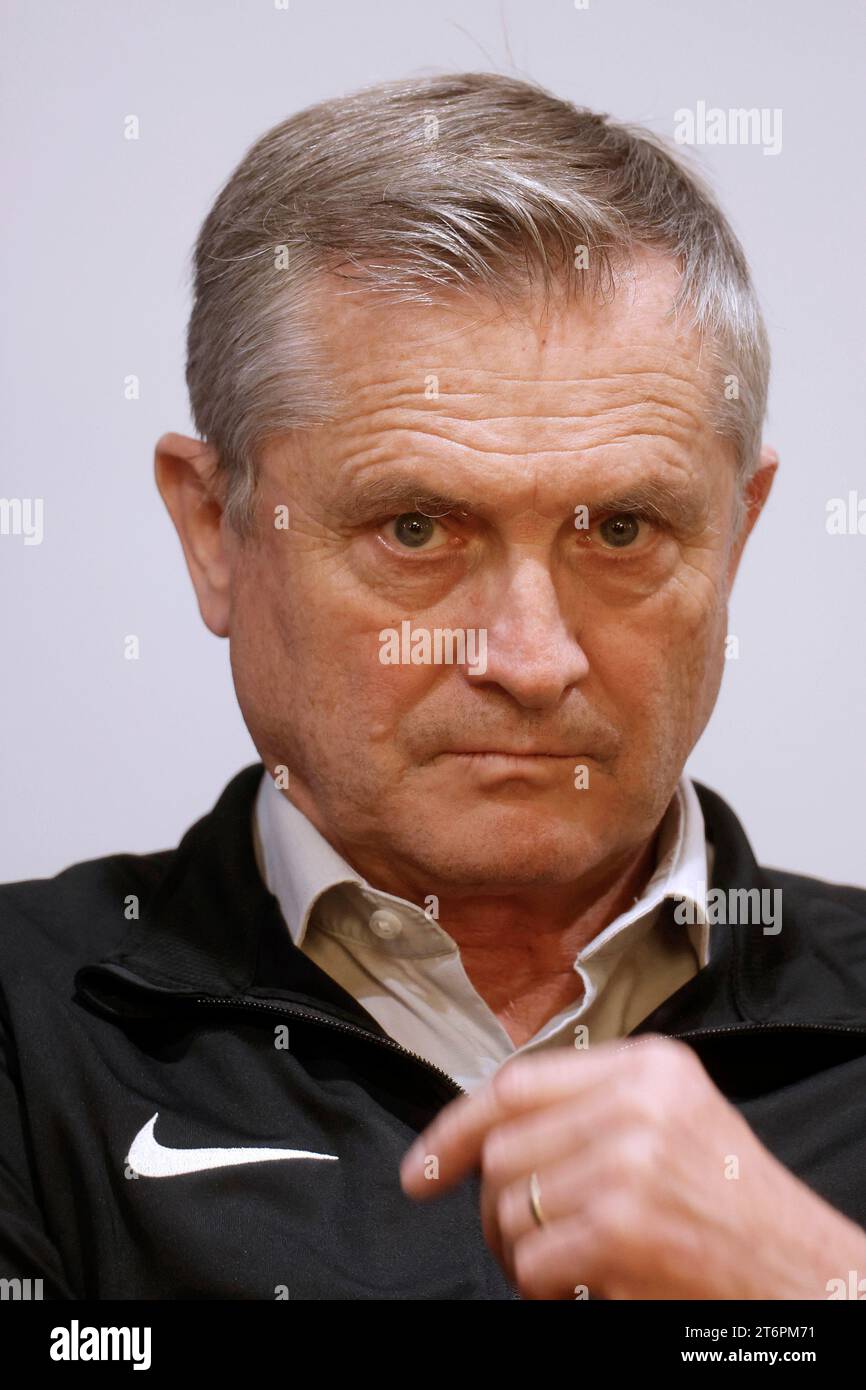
x,y
508,753
505,762
493,767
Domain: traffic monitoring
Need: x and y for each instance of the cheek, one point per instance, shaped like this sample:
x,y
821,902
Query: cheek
x,y
392,696
311,662
698,624
660,662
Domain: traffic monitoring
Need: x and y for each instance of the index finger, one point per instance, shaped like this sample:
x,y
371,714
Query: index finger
x,y
453,1142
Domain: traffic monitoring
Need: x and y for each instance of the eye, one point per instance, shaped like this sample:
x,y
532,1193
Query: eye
x,y
622,530
414,530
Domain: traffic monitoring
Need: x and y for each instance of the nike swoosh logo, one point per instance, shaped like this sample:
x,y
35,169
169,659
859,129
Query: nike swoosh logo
x,y
150,1159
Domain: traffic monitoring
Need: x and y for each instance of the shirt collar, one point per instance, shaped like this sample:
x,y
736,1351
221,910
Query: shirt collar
x,y
300,866
683,869
296,861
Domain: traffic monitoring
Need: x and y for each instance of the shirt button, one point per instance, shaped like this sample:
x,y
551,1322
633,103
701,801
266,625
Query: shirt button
x,y
385,923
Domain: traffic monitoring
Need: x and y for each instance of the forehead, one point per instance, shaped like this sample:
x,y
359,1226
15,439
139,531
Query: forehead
x,y
590,388
365,335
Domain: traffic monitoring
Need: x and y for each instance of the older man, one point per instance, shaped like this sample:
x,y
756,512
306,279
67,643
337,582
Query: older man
x,y
479,380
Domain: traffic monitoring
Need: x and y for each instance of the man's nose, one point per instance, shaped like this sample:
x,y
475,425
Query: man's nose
x,y
532,648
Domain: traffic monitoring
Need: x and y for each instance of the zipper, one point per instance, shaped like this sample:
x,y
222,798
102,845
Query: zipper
x,y
391,1043
744,1028
313,1017
764,1027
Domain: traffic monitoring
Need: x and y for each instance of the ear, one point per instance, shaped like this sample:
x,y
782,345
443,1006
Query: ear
x,y
186,475
756,493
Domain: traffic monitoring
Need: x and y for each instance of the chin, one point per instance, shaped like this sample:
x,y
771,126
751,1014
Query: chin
x,y
516,850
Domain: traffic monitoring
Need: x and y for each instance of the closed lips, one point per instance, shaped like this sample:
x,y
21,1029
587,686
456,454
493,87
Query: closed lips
x,y
512,752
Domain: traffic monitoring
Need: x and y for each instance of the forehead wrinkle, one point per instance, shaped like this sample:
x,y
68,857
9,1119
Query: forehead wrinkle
x,y
661,385
439,485
388,418
513,436
670,407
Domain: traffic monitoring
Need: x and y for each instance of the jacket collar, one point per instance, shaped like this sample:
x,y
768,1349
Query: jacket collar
x,y
212,929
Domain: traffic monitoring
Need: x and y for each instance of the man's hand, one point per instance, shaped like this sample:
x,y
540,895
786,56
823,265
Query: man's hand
x,y
651,1184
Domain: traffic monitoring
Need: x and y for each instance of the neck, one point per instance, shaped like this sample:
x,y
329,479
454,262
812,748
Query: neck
x,y
519,950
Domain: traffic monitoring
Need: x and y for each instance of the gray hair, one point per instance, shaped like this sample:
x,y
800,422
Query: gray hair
x,y
465,181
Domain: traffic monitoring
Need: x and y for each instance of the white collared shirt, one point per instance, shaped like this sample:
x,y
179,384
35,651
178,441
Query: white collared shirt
x,y
406,970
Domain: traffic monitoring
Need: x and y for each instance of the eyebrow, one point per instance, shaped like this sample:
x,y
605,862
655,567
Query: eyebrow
x,y
678,506
376,498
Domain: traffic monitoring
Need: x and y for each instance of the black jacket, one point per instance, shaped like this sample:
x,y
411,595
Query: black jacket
x,y
108,1022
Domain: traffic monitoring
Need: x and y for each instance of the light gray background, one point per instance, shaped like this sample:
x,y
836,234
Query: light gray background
x,y
102,754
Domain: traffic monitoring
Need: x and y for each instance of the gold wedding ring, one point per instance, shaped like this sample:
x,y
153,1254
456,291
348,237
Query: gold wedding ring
x,y
535,1199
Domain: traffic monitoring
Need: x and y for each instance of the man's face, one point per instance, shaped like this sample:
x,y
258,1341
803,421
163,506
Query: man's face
x,y
604,642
